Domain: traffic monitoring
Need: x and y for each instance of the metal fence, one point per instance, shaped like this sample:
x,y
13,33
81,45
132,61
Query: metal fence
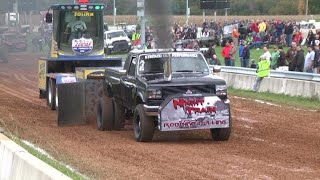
x,y
274,73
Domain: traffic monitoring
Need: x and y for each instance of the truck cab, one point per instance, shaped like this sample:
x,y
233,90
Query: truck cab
x,y
168,90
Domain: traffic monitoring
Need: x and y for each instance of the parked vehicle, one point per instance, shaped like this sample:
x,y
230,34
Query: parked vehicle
x,y
14,41
116,41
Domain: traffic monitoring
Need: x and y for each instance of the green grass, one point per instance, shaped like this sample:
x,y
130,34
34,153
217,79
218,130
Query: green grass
x,y
281,99
254,54
55,164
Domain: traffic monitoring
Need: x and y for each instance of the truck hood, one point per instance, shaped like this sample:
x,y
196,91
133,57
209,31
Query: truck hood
x,y
183,79
118,39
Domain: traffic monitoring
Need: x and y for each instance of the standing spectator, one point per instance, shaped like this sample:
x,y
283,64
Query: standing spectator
x,y
308,64
241,47
254,28
226,53
235,36
266,55
262,28
205,33
298,61
298,36
250,39
233,54
242,32
282,57
245,56
288,31
253,64
316,59
279,30
211,54
204,25
310,38
275,57
291,53
316,40
263,71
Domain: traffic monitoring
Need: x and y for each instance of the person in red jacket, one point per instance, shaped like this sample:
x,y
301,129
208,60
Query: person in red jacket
x,y
226,53
254,28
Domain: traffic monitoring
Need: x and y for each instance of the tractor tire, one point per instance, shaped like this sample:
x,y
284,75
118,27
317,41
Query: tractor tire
x,y
105,114
143,125
222,134
42,94
119,116
51,94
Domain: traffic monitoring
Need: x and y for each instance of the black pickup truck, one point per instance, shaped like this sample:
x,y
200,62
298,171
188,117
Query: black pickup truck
x,y
168,90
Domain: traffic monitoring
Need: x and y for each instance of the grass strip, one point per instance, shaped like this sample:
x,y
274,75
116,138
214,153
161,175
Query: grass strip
x,y
53,163
281,99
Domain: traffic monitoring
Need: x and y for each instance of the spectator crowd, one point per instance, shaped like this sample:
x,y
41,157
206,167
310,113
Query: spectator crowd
x,y
282,39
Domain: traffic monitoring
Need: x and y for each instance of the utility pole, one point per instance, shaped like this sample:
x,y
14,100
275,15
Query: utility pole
x,y
140,13
307,8
187,12
114,12
203,14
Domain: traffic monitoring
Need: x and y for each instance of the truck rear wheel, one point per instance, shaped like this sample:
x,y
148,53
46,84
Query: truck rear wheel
x,y
143,125
51,94
105,114
56,98
119,115
4,51
222,134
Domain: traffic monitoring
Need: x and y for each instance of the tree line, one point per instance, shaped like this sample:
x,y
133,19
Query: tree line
x,y
178,7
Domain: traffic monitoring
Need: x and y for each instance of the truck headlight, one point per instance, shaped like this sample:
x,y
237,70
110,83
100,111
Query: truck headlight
x,y
221,90
154,94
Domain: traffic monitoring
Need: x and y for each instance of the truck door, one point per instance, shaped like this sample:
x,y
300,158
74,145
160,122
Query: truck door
x,y
128,83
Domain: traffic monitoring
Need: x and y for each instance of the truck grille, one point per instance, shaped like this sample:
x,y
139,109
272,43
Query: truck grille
x,y
120,45
171,90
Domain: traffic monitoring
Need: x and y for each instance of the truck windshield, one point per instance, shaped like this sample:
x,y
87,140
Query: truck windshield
x,y
180,63
116,34
84,27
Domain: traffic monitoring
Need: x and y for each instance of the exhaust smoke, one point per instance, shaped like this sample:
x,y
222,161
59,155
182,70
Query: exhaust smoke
x,y
159,18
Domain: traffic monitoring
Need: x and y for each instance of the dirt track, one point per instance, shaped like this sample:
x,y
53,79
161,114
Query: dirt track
x,y
282,143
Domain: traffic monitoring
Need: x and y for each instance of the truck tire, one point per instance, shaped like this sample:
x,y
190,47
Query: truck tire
x,y
56,98
105,114
51,94
222,134
119,116
4,54
143,126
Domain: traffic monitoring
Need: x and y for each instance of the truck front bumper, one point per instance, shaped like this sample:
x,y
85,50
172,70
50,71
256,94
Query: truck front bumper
x,y
151,110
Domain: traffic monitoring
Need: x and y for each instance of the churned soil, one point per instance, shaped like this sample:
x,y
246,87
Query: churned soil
x,y
267,142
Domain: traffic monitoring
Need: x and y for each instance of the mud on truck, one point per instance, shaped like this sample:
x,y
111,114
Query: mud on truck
x,y
168,90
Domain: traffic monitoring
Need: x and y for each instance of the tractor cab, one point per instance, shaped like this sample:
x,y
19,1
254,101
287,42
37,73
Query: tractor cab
x,y
77,29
